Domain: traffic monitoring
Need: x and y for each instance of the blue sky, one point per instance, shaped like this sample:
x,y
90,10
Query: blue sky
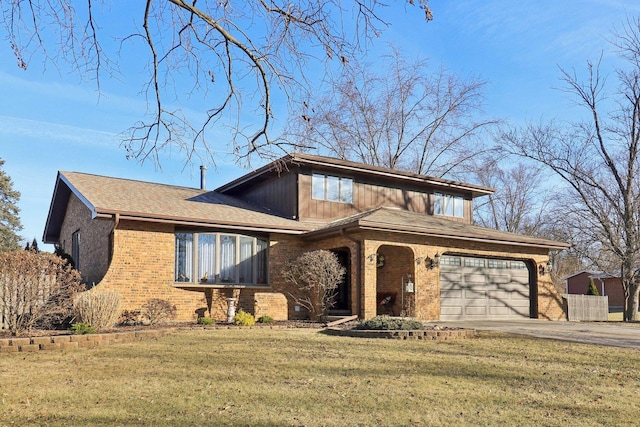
x,y
51,120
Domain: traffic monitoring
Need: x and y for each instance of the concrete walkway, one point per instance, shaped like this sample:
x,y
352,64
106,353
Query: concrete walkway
x,y
607,334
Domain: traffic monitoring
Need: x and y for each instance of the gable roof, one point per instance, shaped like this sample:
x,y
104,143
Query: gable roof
x,y
146,201
397,220
118,198
345,166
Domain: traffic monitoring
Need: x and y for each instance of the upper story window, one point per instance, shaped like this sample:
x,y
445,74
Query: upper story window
x,y
448,204
75,249
220,258
332,188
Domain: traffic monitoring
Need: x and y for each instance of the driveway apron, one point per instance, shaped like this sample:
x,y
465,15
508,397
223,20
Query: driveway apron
x,y
590,333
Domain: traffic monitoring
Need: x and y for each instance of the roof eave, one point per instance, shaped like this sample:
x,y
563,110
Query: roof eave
x,y
59,201
374,226
475,190
192,222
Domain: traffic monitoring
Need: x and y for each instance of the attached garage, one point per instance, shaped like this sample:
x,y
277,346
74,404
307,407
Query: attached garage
x,y
483,289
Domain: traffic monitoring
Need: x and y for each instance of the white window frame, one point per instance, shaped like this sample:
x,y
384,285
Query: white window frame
x,y
448,205
233,274
333,188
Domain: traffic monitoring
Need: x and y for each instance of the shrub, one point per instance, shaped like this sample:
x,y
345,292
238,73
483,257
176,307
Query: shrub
x,y
593,289
242,318
82,329
386,323
129,317
36,290
99,309
206,321
266,319
159,310
315,276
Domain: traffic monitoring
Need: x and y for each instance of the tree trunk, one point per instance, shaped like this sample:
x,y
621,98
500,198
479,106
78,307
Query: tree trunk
x,y
631,303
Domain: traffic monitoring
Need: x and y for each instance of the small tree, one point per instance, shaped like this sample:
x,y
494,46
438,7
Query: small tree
x,y
315,276
9,213
36,289
593,289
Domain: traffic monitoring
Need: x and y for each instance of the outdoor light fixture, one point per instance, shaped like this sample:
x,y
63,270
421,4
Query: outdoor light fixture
x,y
429,263
378,258
544,268
408,286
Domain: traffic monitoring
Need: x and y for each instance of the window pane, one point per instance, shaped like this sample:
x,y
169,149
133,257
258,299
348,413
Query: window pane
x,y
437,204
207,258
474,262
261,261
449,260
227,259
317,186
246,260
448,205
459,207
184,257
346,190
75,249
333,188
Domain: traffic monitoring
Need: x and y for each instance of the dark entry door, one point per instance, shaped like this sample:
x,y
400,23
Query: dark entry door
x,y
343,292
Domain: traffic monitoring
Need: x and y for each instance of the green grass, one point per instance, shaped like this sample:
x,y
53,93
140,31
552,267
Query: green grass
x,y
265,377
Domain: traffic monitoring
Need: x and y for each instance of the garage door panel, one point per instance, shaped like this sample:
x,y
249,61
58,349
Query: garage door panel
x,y
452,312
474,278
473,292
450,294
499,279
473,295
475,311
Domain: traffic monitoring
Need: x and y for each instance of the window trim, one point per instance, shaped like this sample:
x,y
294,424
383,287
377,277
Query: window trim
x,y
215,279
343,191
442,202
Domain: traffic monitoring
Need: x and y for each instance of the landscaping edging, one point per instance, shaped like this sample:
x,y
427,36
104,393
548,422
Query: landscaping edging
x,y
427,334
60,342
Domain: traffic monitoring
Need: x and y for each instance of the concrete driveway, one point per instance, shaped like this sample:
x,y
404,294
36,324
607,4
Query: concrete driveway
x,y
590,333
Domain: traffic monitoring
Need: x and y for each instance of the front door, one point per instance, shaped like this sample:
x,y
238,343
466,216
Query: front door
x,y
343,292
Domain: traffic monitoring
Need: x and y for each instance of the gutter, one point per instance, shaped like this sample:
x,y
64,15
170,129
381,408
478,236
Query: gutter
x,y
358,243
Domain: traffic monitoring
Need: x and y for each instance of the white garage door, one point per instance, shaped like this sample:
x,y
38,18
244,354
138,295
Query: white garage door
x,y
483,289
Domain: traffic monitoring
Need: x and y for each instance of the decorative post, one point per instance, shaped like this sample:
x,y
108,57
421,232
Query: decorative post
x,y
231,309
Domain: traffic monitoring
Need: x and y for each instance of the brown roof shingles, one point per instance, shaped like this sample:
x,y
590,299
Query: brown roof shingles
x,y
397,220
145,200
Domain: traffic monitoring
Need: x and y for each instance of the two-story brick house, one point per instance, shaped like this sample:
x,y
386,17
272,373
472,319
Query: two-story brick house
x,y
406,240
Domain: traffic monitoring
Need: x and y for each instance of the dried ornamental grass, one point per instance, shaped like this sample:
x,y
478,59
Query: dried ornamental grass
x,y
100,309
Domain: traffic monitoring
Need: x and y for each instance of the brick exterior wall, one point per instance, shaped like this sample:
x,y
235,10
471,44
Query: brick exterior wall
x,y
142,268
94,240
143,262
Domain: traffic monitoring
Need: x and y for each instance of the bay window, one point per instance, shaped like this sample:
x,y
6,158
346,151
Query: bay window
x,y
220,259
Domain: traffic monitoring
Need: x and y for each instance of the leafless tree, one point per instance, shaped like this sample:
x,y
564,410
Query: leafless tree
x,y
315,276
235,57
518,204
598,159
402,116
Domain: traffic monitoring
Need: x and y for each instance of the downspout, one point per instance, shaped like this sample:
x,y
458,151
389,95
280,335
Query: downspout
x,y
344,234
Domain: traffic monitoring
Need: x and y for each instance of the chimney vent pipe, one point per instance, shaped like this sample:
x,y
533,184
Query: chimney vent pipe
x,y
203,177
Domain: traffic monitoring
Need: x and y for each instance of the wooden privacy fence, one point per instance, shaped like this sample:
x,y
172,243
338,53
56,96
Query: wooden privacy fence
x,y
587,307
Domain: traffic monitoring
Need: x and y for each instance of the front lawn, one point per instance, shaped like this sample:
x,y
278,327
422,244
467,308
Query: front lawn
x,y
295,377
